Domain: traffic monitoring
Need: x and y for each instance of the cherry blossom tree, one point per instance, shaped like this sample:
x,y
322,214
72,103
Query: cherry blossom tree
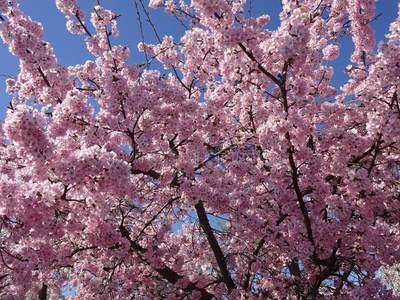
x,y
118,199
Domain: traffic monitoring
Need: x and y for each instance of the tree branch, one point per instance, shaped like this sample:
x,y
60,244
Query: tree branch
x,y
83,25
367,152
43,292
44,77
148,223
212,241
153,174
299,194
212,156
81,249
255,254
376,152
165,272
358,158
260,67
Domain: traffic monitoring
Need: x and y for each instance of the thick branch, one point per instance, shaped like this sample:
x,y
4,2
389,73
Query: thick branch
x,y
376,152
165,272
281,83
153,174
43,292
357,159
294,267
255,254
367,152
299,194
260,67
395,100
212,241
77,250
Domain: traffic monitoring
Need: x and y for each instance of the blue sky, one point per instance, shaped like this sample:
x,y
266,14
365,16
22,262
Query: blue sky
x,y
70,49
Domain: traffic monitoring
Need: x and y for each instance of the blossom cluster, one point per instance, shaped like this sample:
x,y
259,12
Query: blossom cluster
x,y
243,173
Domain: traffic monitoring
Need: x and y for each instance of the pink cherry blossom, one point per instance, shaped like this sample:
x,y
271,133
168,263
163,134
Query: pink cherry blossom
x,y
331,52
156,3
241,173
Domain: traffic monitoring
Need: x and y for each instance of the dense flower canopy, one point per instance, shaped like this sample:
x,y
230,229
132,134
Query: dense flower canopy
x,y
243,174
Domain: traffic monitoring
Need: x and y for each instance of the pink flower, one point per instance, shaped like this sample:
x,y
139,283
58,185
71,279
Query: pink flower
x,y
330,52
156,3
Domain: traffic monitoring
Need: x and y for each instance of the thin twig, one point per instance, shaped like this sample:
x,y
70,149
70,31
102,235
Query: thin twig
x,y
212,156
141,32
83,25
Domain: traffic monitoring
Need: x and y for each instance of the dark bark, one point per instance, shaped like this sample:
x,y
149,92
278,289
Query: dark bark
x,y
165,272
43,292
212,241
